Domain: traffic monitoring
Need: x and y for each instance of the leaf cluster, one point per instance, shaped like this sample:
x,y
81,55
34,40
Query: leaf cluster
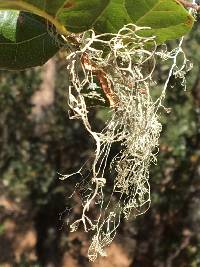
x,y
30,30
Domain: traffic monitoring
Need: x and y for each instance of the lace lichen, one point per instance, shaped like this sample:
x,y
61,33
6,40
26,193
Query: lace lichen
x,y
122,66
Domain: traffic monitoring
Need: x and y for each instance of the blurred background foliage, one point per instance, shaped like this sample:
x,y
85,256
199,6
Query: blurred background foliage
x,y
38,141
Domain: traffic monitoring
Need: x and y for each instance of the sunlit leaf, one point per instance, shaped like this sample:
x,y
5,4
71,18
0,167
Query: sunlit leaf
x,y
24,40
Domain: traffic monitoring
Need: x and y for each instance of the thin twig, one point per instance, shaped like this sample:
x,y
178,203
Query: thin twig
x,y
187,4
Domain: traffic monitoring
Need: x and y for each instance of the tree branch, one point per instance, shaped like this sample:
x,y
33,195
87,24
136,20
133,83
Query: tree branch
x,y
187,4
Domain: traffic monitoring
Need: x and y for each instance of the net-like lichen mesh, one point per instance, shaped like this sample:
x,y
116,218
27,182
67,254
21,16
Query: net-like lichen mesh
x,y
121,66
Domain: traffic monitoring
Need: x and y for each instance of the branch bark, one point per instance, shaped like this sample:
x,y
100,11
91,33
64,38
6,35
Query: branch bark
x,y
187,4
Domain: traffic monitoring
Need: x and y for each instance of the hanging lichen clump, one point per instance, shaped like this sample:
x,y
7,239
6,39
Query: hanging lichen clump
x,y
115,66
121,65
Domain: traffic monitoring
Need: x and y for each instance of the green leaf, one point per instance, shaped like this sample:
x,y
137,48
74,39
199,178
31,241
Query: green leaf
x,y
47,9
167,18
24,40
49,6
83,14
